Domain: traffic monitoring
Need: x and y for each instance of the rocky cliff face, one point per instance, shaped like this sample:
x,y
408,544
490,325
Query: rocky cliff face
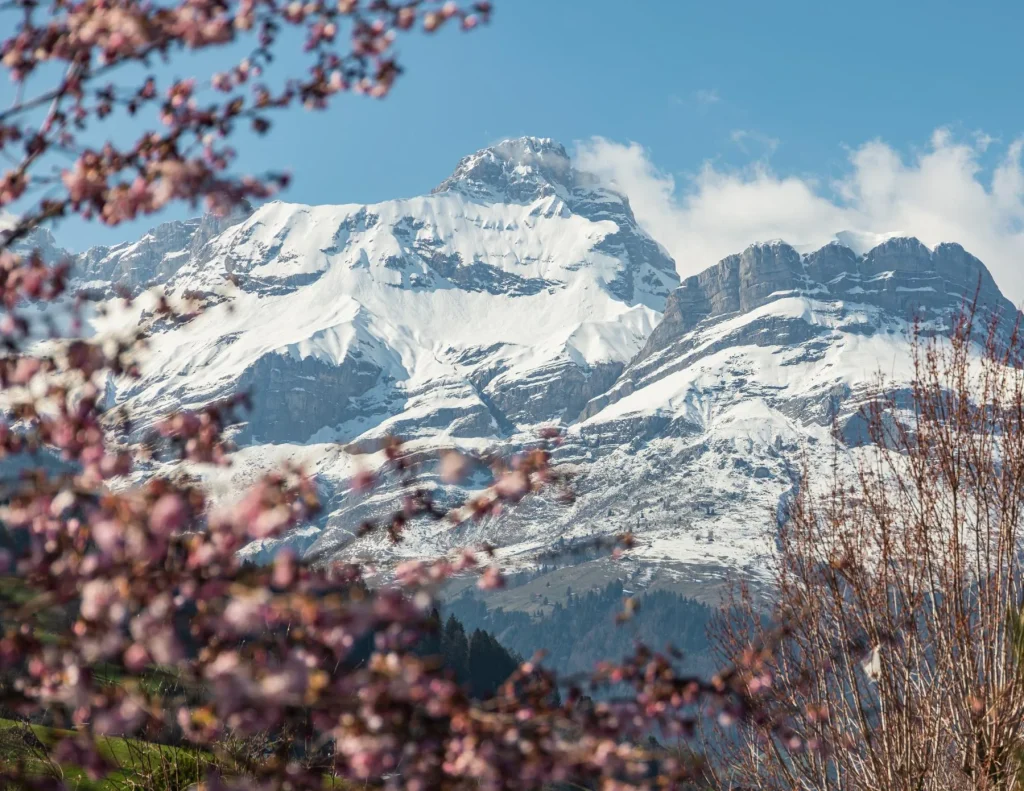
x,y
155,258
901,276
538,171
512,295
131,267
522,293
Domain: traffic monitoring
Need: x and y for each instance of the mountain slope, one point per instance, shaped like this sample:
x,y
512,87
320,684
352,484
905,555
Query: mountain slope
x,y
522,293
470,309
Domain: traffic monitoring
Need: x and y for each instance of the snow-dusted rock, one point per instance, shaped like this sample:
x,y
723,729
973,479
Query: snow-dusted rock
x,y
519,293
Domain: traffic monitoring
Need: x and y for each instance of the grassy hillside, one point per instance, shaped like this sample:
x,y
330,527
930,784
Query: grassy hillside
x,y
138,765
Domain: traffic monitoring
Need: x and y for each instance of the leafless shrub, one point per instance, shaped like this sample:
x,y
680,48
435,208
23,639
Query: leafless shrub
x,y
900,583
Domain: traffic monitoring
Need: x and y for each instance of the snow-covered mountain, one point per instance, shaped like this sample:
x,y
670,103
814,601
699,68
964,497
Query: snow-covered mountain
x,y
520,293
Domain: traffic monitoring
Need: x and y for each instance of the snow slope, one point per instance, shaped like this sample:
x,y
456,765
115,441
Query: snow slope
x,y
522,293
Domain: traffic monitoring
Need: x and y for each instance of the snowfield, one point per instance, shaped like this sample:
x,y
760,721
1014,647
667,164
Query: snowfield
x,y
521,294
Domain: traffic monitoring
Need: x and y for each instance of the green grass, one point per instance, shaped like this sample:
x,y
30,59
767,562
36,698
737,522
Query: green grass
x,y
21,604
136,765
139,765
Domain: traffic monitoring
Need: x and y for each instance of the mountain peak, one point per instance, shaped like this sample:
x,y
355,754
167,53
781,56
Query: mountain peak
x,y
863,242
518,170
772,244
901,245
860,243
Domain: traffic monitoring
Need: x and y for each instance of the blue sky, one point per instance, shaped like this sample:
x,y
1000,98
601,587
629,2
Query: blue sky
x,y
786,89
681,78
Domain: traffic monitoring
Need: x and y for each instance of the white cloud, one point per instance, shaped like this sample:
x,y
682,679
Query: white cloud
x,y
983,140
707,96
749,140
940,194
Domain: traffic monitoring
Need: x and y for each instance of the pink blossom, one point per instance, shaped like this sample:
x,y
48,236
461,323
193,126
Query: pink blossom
x,y
454,467
97,597
168,515
513,485
285,568
136,657
246,614
491,579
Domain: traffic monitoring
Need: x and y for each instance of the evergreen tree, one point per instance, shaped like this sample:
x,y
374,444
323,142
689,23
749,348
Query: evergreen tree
x,y
582,629
455,648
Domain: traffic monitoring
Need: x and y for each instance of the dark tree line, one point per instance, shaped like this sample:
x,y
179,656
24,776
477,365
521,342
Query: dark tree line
x,y
476,658
584,628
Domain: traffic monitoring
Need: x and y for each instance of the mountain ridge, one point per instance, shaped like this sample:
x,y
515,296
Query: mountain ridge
x,y
523,293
